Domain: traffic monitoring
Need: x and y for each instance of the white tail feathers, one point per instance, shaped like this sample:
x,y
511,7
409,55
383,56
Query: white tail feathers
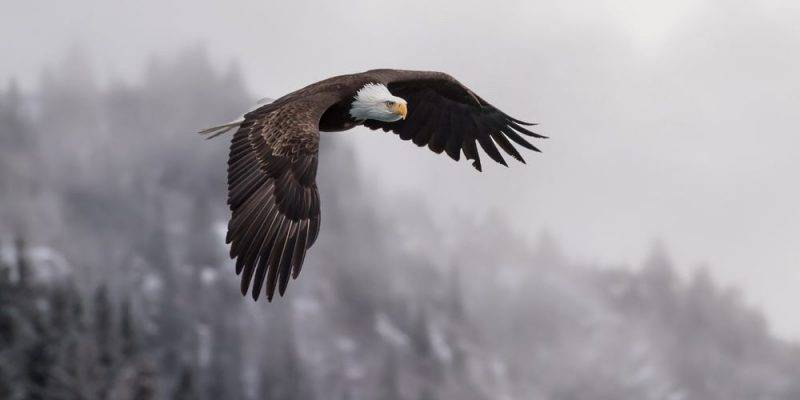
x,y
215,131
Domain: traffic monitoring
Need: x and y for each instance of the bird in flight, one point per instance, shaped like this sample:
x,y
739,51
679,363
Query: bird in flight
x,y
272,164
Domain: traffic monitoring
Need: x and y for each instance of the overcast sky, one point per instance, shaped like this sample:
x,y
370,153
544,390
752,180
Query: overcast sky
x,y
674,120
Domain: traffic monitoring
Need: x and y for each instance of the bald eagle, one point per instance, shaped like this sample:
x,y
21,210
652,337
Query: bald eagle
x,y
272,164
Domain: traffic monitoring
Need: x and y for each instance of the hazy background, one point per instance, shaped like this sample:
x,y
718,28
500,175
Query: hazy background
x,y
669,120
673,147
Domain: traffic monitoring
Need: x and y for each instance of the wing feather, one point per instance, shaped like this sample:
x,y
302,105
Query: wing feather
x,y
468,143
455,138
518,139
447,116
273,261
486,142
425,132
285,265
504,144
439,136
488,146
299,250
272,193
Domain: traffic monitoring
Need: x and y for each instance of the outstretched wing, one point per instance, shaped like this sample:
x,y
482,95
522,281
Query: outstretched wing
x,y
447,116
272,193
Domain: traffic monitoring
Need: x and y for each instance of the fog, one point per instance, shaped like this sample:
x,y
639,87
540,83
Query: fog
x,y
670,121
672,144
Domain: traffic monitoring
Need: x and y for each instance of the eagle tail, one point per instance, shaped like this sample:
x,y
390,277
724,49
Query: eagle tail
x,y
214,131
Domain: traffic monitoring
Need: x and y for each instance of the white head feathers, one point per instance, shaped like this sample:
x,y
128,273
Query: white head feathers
x,y
374,101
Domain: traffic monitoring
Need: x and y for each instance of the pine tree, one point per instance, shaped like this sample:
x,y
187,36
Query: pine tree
x,y
283,376
103,338
225,370
23,264
8,328
202,243
71,377
227,358
127,330
76,312
60,304
15,132
294,377
660,279
65,342
427,394
455,298
389,384
284,379
39,361
420,335
170,318
6,385
186,388
347,394
5,273
144,383
102,326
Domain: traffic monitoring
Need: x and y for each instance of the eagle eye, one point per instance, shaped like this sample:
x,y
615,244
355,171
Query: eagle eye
x,y
389,103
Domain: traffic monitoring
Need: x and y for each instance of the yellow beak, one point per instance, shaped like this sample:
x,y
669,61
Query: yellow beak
x,y
400,109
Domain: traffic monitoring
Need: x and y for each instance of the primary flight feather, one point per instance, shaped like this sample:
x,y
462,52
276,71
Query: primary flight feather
x,y
272,166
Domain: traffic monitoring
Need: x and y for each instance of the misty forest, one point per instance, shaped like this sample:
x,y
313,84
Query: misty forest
x,y
115,281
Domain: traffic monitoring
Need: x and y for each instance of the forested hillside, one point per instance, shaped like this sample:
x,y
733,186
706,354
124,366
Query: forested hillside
x,y
115,281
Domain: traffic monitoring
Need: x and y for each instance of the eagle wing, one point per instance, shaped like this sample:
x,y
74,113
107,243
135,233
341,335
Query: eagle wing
x,y
272,193
447,116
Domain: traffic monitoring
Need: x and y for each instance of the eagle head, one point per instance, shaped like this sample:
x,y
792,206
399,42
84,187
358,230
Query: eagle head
x,y
374,101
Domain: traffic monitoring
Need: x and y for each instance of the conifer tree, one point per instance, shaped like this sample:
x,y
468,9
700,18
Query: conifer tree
x,y
5,273
23,264
6,384
38,362
144,383
8,328
102,326
420,335
390,385
127,330
427,394
186,388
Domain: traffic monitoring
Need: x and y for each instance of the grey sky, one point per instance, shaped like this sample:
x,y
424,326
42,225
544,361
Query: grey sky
x,y
674,120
